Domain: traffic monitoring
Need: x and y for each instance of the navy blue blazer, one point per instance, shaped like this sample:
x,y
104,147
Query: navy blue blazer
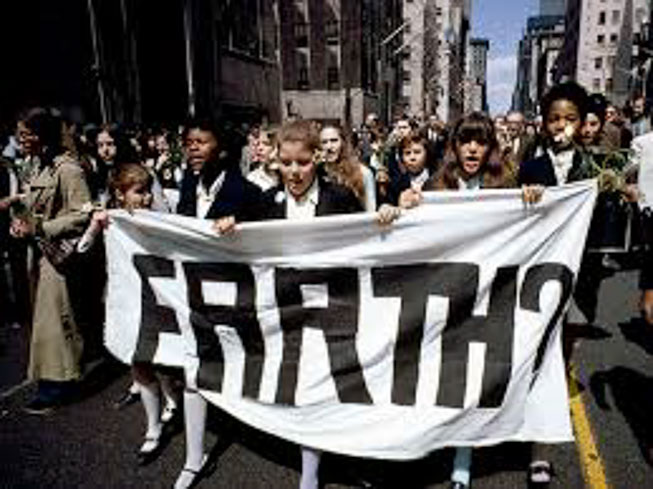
x,y
332,199
237,197
539,171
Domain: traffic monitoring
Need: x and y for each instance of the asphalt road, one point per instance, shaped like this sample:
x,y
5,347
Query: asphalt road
x,y
88,444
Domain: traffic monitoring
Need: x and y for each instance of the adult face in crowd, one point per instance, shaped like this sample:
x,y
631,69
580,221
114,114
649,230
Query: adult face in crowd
x,y
297,167
201,147
402,129
106,146
331,143
639,107
515,124
372,121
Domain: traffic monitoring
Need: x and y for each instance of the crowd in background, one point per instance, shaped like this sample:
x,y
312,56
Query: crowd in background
x,y
57,178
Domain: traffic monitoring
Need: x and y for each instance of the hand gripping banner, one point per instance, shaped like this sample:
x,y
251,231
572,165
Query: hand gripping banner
x,y
440,330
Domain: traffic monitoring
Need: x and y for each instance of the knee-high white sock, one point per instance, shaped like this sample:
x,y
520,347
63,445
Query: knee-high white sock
x,y
195,421
168,391
152,405
310,467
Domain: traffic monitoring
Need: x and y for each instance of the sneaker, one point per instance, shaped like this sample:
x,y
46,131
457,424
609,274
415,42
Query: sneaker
x,y
41,406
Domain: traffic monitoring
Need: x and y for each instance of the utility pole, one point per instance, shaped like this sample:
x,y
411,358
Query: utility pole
x,y
97,66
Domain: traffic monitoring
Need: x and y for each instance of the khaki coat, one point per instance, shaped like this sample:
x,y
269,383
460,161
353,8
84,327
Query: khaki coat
x,y
58,196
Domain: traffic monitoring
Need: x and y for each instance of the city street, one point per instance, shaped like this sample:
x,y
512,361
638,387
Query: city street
x,y
89,444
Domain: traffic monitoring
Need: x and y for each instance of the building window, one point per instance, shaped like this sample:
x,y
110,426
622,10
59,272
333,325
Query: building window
x,y
598,63
614,38
406,76
596,84
302,80
332,32
601,18
609,85
301,34
616,17
600,39
333,78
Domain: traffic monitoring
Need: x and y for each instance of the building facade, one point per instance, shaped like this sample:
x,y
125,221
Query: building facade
x,y
452,24
476,88
536,59
331,58
552,7
606,39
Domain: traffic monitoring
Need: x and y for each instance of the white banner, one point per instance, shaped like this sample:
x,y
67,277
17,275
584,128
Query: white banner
x,y
441,330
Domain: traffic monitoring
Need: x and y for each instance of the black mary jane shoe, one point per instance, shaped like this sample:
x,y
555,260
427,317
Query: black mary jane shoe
x,y
146,457
127,399
196,476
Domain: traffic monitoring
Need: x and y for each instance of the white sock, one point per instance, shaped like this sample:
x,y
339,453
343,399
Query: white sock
x,y
168,391
310,467
152,405
195,423
134,388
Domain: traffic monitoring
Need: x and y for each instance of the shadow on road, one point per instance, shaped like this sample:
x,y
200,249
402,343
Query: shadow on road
x,y
632,394
638,332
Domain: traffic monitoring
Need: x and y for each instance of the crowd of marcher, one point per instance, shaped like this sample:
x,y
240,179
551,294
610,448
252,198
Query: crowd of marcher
x,y
57,181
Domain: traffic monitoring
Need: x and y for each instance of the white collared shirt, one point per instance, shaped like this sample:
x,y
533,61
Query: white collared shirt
x,y
418,181
472,183
562,163
205,197
306,206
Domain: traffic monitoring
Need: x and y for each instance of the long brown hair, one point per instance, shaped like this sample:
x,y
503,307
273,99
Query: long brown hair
x,y
477,127
347,170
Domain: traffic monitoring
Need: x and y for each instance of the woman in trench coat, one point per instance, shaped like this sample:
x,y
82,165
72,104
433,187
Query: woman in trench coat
x,y
54,208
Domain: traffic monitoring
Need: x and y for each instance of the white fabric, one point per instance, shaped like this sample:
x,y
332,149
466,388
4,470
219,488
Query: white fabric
x,y
369,184
263,179
562,163
642,147
206,197
486,230
472,183
418,181
306,206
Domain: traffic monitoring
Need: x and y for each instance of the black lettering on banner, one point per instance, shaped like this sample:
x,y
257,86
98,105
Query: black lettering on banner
x,y
458,282
241,316
155,318
338,321
535,279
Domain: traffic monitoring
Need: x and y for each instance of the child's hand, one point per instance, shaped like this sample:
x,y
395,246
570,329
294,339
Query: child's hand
x,y
410,198
532,194
225,225
387,214
100,219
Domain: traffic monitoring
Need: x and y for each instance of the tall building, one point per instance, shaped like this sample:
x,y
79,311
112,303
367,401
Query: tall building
x,y
476,87
537,54
452,25
605,37
552,7
331,58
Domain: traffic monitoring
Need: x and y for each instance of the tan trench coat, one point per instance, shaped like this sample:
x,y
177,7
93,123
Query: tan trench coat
x,y
58,195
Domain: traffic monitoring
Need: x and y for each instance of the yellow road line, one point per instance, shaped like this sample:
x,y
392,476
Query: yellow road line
x,y
590,459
